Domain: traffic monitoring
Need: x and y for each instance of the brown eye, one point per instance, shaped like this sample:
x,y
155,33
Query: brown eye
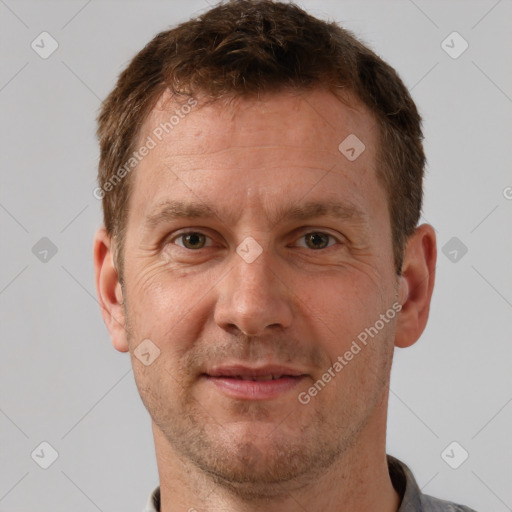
x,y
317,240
192,240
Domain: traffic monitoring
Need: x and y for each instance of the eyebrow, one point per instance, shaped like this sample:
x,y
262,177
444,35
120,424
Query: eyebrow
x,y
172,210
313,209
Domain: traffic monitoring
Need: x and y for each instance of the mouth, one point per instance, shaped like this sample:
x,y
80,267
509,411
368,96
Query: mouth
x,y
258,383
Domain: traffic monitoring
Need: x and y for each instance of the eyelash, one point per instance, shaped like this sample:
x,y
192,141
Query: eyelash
x,y
181,235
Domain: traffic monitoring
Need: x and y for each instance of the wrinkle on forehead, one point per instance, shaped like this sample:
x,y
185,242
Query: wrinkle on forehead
x,y
310,118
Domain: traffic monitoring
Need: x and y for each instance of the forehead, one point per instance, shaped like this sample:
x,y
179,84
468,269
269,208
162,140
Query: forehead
x,y
310,120
289,138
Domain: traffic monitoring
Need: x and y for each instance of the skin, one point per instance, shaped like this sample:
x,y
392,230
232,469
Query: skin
x,y
296,304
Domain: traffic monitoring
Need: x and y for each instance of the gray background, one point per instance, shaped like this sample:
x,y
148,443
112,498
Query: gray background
x,y
61,380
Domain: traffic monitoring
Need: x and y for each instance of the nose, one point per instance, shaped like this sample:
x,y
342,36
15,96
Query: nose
x,y
254,298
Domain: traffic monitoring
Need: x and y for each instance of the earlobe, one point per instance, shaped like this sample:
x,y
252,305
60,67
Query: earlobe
x,y
416,285
108,288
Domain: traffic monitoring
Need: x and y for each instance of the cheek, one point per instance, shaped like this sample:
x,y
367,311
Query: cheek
x,y
163,388
359,347
342,305
166,308
168,314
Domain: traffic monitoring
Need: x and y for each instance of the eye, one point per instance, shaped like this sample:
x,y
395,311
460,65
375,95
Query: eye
x,y
317,240
191,240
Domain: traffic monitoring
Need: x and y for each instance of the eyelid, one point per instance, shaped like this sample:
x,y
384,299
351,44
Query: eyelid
x,y
175,236
303,231
337,241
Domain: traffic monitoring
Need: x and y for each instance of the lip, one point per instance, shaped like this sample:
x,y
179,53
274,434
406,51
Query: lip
x,y
236,381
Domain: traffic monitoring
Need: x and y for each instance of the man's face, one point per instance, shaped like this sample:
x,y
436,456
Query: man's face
x,y
224,184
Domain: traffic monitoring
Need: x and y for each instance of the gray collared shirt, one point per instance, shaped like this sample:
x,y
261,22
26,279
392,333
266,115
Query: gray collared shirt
x,y
413,500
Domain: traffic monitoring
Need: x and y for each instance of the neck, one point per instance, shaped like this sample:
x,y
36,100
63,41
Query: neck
x,y
357,480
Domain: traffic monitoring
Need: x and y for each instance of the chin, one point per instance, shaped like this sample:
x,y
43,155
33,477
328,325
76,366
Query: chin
x,y
262,472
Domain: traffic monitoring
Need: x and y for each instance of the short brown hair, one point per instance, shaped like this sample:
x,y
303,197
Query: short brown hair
x,y
241,49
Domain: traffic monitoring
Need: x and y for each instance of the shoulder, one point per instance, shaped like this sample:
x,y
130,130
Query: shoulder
x,y
413,500
431,504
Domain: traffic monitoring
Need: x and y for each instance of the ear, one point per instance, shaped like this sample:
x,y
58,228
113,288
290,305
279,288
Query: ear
x,y
416,285
109,290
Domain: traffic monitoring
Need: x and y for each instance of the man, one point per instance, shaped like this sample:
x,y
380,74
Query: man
x,y
261,176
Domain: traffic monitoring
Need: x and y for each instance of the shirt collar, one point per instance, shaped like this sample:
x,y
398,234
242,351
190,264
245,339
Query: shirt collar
x,y
405,485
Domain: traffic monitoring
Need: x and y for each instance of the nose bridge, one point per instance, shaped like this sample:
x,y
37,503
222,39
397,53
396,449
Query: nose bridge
x,y
252,297
254,278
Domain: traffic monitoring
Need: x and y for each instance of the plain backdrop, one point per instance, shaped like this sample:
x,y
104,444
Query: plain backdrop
x,y
62,382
